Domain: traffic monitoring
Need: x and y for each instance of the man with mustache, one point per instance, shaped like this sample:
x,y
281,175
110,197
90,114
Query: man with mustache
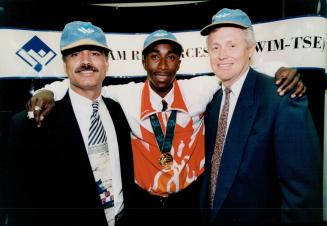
x,y
166,120
72,175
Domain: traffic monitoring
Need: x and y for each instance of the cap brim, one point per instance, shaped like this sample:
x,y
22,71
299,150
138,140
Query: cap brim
x,y
206,30
84,42
160,40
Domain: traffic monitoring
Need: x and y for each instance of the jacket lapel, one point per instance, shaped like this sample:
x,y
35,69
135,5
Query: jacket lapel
x,y
211,124
211,119
70,153
66,119
239,129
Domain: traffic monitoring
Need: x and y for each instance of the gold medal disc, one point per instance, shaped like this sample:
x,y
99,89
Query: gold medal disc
x,y
166,160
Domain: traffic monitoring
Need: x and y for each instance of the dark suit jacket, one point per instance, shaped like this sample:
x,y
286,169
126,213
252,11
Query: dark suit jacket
x,y
50,180
271,167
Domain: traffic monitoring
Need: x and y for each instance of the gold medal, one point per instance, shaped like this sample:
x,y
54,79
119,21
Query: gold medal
x,y
166,160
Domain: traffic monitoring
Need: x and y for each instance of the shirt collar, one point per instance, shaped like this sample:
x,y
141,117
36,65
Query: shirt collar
x,y
81,101
155,99
237,86
151,101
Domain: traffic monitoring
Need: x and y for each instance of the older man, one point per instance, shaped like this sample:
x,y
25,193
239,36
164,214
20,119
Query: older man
x,y
259,170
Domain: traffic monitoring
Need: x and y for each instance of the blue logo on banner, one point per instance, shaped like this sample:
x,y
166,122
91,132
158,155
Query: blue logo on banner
x,y
36,53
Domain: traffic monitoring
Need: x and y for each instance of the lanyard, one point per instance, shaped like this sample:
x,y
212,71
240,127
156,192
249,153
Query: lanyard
x,y
164,141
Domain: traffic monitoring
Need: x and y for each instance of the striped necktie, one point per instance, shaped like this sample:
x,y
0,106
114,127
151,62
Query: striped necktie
x,y
97,134
99,157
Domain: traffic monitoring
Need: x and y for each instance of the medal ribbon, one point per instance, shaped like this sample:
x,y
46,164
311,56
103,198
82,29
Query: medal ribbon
x,y
164,141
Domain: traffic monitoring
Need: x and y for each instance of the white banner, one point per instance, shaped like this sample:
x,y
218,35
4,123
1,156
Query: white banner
x,y
299,42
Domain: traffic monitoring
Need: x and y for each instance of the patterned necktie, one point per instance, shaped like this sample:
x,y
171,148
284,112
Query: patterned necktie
x,y
218,151
97,134
99,157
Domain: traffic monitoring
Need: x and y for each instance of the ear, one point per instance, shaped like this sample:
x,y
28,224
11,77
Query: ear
x,y
107,66
179,64
251,51
143,62
64,66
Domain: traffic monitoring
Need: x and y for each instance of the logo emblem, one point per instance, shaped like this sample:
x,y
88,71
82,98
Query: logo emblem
x,y
222,15
160,34
36,53
85,30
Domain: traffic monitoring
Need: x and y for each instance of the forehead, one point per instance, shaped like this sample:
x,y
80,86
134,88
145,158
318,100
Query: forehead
x,y
163,45
83,48
226,34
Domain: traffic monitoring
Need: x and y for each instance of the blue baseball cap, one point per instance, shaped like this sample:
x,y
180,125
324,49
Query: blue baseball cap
x,y
228,17
79,33
160,35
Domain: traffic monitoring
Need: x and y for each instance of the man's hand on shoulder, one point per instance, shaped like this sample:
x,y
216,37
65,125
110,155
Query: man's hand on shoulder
x,y
288,79
40,105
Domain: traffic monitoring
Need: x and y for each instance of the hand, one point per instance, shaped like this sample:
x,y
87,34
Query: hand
x,y
287,79
41,104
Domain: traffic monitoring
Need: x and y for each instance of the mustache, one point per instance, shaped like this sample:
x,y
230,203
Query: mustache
x,y
86,67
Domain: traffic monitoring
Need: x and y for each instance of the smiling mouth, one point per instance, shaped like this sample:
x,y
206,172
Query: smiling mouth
x,y
162,74
225,65
85,72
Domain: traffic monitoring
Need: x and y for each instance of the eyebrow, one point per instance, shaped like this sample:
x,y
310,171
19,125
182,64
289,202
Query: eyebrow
x,y
157,51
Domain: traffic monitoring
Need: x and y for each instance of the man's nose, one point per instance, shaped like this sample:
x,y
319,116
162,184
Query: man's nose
x,y
85,57
163,63
222,53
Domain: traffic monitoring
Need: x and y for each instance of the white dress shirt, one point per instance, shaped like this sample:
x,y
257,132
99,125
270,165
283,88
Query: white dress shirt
x,y
83,109
236,90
